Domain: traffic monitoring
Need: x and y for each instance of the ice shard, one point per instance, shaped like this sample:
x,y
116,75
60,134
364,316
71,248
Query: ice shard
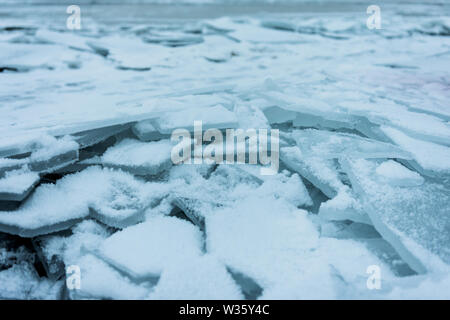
x,y
146,131
333,145
141,158
413,218
16,185
143,251
430,158
114,197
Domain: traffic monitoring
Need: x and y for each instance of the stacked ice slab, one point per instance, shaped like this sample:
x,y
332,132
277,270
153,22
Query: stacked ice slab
x,y
87,181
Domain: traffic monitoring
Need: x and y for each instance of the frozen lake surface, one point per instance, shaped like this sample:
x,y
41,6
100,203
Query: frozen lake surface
x,y
86,177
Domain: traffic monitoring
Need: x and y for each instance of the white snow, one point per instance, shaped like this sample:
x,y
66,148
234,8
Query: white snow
x,y
430,156
364,143
144,250
18,181
396,174
139,157
202,278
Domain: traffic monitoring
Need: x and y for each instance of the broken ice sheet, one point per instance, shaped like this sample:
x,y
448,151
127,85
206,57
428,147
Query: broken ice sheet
x,y
141,158
47,152
328,145
98,280
53,154
430,158
17,184
95,136
344,206
257,233
101,281
416,124
125,202
324,174
312,159
229,184
8,164
414,219
320,172
144,250
252,235
58,206
368,236
146,131
51,208
349,260
199,278
394,174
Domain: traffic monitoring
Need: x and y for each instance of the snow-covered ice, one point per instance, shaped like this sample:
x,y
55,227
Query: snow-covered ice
x,y
87,178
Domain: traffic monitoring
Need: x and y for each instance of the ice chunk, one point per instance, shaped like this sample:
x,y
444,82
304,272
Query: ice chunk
x,y
344,206
16,185
125,202
325,175
432,159
143,251
56,207
53,154
198,278
397,175
146,131
320,172
275,114
101,281
7,164
194,209
95,136
51,208
251,235
414,219
349,260
142,158
328,145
